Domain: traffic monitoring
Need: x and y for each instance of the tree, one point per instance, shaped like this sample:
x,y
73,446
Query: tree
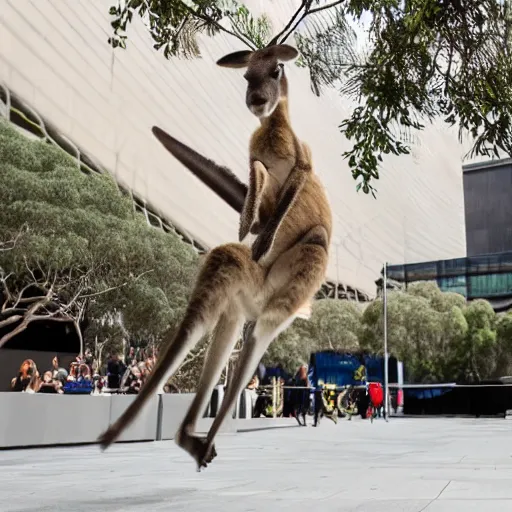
x,y
104,335
427,329
83,250
187,376
290,349
334,324
478,355
427,59
439,336
414,332
504,344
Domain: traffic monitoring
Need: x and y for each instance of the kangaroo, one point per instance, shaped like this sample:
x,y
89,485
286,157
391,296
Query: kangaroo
x,y
266,282
280,164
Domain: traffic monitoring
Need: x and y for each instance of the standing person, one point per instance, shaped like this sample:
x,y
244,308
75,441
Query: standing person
x,y
362,399
318,405
324,395
301,398
252,387
114,372
35,382
56,367
88,358
130,358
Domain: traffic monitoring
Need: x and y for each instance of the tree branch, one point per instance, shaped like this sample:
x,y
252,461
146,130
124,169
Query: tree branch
x,y
31,314
28,317
11,244
10,320
207,19
80,337
192,358
112,288
326,6
12,311
30,270
306,13
6,292
289,24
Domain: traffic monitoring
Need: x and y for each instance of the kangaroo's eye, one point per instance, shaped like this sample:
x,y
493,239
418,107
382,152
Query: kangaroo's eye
x,y
276,73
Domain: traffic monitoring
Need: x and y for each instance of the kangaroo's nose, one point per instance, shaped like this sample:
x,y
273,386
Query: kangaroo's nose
x,y
258,100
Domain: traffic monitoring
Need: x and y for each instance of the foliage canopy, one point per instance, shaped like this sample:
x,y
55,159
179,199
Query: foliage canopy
x,y
83,245
439,336
426,59
334,324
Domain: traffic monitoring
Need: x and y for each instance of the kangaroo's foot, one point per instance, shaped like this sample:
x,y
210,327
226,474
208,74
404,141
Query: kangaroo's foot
x,y
197,448
208,454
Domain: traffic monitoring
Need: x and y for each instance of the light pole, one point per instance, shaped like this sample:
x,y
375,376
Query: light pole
x,y
385,314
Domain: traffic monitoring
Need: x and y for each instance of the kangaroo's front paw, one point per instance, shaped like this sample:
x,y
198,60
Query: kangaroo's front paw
x,y
261,246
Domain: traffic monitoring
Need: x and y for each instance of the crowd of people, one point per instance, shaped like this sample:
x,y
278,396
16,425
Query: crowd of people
x,y
298,398
127,375
84,375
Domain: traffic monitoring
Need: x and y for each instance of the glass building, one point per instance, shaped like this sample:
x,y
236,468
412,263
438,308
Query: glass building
x,y
486,271
487,276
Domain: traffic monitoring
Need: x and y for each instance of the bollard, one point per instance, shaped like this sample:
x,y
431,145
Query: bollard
x,y
274,398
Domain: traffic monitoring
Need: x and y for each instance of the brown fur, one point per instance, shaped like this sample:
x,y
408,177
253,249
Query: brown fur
x,y
272,208
267,283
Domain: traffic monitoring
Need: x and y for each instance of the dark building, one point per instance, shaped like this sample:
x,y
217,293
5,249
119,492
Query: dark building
x,y
486,271
488,207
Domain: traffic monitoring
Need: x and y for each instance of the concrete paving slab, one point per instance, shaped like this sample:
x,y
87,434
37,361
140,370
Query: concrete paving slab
x,y
406,465
469,506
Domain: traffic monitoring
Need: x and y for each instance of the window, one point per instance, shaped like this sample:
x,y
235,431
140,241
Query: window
x,y
455,284
490,285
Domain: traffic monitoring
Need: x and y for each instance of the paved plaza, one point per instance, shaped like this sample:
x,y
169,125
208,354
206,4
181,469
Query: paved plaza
x,y
406,465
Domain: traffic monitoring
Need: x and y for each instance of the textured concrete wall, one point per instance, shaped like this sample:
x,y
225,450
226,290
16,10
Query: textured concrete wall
x,y
145,427
40,419
173,410
55,55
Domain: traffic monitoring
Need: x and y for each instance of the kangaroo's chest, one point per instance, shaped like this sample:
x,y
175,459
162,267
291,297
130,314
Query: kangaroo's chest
x,y
278,168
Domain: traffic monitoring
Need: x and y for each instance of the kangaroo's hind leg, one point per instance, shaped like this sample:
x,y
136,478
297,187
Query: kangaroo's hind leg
x,y
224,337
292,281
221,277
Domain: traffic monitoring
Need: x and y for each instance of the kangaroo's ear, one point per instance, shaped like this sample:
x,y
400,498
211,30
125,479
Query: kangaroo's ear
x,y
283,52
235,60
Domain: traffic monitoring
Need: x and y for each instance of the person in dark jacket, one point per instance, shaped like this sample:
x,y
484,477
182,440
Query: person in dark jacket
x,y
114,372
301,395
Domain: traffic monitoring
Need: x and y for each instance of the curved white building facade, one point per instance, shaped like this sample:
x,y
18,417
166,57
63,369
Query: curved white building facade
x,y
55,56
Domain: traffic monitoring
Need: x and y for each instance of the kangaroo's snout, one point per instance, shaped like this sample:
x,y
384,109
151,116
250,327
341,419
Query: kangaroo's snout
x,y
258,100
